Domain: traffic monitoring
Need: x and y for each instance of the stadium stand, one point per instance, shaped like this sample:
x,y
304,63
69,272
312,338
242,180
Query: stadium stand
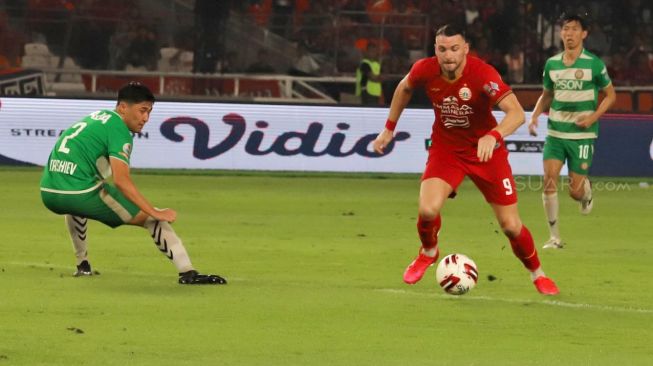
x,y
145,37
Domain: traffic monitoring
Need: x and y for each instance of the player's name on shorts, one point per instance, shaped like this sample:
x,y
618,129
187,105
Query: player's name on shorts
x,y
62,166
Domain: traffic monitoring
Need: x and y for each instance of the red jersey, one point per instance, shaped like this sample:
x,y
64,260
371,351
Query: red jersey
x,y
463,109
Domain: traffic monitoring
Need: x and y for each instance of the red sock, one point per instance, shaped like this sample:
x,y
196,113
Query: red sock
x,y
428,232
524,248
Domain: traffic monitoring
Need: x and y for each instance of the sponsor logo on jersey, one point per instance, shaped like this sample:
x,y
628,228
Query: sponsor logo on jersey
x,y
571,74
454,115
126,151
578,74
450,122
491,88
563,84
465,93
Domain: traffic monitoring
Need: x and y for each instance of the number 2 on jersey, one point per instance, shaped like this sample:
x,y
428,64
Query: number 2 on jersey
x,y
78,128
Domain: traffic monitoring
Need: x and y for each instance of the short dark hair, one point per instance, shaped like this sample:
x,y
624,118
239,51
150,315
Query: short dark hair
x,y
566,18
134,93
449,30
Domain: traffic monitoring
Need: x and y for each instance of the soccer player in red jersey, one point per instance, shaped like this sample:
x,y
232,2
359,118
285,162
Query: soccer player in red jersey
x,y
466,141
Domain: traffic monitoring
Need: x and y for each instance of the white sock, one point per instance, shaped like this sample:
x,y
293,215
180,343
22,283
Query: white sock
x,y
587,190
537,273
77,227
430,252
169,243
550,202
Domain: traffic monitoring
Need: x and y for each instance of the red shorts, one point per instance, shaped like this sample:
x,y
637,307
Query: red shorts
x,y
493,178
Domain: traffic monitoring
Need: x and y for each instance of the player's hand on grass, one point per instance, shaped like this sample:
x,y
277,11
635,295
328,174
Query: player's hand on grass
x,y
485,149
382,140
165,214
532,127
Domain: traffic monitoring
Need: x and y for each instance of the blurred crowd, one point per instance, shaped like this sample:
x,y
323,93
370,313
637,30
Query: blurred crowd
x,y
515,36
95,34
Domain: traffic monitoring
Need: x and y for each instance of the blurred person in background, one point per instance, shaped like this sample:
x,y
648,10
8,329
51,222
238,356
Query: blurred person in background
x,y
142,52
282,17
305,64
640,72
618,69
368,77
229,64
572,81
11,43
597,41
515,62
262,64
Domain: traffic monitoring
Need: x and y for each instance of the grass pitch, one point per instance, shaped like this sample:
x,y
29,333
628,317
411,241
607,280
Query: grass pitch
x,y
315,265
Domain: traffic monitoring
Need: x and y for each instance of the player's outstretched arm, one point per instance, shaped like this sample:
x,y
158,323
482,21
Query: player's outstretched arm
x,y
402,95
123,181
606,103
543,103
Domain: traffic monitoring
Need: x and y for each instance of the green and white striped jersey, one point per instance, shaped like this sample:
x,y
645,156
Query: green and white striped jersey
x,y
575,93
79,161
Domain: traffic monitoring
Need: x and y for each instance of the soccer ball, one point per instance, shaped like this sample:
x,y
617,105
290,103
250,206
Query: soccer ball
x,y
456,274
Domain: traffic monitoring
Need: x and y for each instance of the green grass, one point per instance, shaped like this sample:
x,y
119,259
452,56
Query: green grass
x,y
314,264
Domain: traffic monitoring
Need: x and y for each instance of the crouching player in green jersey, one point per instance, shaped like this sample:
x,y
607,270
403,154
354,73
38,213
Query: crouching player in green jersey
x,y
572,80
74,182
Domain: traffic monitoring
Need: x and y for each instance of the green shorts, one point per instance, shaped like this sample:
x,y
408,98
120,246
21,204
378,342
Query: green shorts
x,y
105,204
577,153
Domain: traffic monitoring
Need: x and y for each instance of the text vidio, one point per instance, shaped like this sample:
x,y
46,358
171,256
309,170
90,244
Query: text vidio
x,y
307,140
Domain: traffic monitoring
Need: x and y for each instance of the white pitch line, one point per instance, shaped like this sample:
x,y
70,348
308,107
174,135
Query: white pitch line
x,y
71,269
406,292
518,301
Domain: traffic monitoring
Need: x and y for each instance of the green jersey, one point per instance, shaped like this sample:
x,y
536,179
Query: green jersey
x,y
575,93
79,161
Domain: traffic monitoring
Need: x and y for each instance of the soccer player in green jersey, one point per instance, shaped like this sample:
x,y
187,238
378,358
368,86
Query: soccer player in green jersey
x,y
74,182
572,80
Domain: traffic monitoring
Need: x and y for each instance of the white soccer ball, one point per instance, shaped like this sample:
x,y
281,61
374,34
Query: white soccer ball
x,y
456,274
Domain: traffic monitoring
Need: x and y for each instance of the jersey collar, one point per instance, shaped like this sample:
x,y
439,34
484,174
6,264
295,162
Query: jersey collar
x,y
116,114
